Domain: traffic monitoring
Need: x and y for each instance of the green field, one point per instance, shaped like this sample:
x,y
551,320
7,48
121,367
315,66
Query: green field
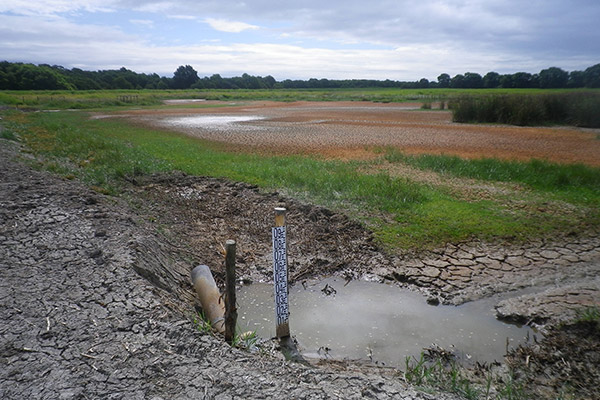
x,y
530,199
63,99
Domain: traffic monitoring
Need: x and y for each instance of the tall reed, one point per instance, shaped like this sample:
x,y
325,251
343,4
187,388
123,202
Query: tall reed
x,y
574,108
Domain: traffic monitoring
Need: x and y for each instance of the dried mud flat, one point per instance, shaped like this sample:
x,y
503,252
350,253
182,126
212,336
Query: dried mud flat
x,y
96,298
355,129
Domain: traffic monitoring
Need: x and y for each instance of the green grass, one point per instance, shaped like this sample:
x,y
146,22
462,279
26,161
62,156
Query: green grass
x,y
403,214
100,161
93,99
202,323
574,182
588,314
8,132
448,376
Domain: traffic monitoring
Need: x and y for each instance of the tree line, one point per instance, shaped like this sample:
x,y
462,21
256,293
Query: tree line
x,y
23,76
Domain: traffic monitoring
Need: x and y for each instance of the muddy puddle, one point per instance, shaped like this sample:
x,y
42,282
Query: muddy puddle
x,y
379,323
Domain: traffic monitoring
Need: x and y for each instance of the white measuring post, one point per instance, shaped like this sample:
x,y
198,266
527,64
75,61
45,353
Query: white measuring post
x,y
280,275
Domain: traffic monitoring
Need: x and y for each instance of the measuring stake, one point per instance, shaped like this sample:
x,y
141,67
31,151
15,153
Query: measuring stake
x,y
280,275
230,309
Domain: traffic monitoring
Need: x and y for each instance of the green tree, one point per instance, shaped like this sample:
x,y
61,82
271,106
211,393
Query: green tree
x,y
251,82
576,79
472,80
458,81
592,76
517,80
491,80
162,84
553,77
121,82
522,79
32,77
444,80
184,77
270,81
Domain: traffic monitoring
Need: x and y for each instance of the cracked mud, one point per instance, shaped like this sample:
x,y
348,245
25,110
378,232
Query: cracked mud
x,y
78,321
96,299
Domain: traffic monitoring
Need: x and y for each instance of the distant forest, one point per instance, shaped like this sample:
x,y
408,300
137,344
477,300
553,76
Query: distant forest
x,y
22,76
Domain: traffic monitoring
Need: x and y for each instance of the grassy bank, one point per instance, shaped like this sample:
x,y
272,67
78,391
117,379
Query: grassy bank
x,y
575,183
403,213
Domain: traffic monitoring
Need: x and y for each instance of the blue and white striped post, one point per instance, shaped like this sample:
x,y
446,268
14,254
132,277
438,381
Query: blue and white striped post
x,y
280,275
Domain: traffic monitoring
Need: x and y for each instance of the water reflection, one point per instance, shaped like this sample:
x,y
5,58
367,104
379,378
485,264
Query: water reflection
x,y
383,323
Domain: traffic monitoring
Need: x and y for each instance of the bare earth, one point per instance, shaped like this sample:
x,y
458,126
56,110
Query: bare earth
x,y
356,129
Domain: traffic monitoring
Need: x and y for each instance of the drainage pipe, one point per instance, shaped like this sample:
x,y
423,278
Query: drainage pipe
x,y
210,297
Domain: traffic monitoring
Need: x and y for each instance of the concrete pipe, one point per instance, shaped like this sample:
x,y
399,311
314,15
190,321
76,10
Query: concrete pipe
x,y
210,298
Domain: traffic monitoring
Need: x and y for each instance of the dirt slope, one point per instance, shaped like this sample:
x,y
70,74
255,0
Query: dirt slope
x,y
78,322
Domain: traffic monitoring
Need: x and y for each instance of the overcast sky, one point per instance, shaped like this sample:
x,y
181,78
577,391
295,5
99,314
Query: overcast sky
x,y
301,39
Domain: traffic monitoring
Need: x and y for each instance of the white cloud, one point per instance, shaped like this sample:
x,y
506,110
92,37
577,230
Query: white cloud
x,y
395,39
53,7
99,47
143,22
158,7
183,17
224,25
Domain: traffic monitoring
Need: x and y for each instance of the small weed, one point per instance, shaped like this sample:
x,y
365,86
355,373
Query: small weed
x,y
588,314
246,341
447,376
511,390
202,323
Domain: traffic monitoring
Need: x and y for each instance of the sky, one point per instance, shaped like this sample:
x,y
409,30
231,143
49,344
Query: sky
x,y
301,39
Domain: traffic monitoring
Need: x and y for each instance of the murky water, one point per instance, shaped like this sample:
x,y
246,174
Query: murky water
x,y
378,322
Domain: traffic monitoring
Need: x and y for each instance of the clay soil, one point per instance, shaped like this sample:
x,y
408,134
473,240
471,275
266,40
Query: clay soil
x,y
355,129
97,301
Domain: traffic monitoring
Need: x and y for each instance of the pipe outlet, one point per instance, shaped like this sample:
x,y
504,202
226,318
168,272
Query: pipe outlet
x,y
210,297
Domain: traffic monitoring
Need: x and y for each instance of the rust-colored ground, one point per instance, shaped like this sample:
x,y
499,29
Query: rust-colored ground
x,y
355,130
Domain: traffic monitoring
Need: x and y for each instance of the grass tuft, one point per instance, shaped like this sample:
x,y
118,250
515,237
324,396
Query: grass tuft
x,y
447,376
588,314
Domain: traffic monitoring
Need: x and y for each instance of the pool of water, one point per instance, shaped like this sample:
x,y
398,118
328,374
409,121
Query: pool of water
x,y
379,322
213,122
